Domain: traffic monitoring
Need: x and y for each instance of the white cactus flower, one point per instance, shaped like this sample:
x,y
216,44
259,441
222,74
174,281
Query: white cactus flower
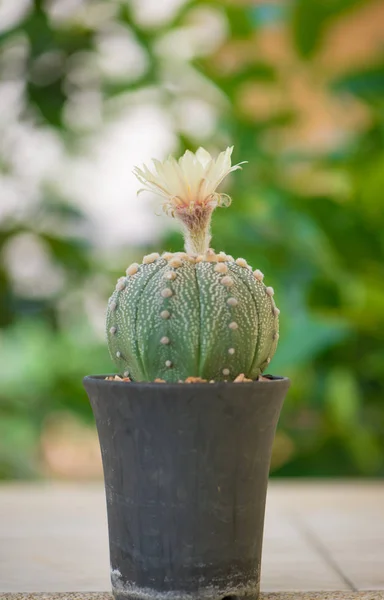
x,y
188,186
190,182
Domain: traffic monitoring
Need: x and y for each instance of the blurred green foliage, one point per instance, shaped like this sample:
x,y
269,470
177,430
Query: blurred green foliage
x,y
311,218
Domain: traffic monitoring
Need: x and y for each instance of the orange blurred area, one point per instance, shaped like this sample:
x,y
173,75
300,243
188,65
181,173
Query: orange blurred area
x,y
69,449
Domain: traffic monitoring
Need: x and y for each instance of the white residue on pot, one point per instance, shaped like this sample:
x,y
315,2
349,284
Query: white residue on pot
x,y
210,592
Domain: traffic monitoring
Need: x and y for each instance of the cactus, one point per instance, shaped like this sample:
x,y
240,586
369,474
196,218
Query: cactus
x,y
194,313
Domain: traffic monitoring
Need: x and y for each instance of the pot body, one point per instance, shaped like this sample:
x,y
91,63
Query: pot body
x,y
186,470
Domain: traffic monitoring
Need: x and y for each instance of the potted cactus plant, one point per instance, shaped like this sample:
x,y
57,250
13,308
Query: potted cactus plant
x,y
186,429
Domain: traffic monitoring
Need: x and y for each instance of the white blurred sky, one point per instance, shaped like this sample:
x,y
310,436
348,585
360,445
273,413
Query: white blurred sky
x,y
104,185
100,180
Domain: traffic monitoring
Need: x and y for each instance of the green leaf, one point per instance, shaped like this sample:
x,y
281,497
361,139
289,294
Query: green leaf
x,y
366,84
18,448
307,23
342,397
305,337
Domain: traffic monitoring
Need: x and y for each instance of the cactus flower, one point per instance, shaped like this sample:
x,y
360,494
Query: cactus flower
x,y
188,187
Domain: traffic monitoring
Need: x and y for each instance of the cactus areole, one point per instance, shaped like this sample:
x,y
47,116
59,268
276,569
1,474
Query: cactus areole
x,y
197,313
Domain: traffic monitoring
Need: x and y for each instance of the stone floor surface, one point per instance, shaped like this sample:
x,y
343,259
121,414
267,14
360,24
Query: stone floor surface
x,y
319,537
264,596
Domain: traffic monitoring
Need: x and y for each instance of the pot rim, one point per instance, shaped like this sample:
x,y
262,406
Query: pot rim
x,y
101,379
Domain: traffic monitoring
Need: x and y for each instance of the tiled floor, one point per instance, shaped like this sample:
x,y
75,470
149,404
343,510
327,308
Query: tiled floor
x,y
264,596
318,536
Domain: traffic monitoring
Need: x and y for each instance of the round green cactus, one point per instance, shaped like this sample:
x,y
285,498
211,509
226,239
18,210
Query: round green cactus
x,y
196,314
172,317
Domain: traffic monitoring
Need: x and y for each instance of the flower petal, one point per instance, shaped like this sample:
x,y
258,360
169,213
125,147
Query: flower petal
x,y
190,181
203,156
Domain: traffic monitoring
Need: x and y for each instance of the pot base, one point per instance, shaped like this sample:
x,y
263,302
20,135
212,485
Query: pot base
x,y
130,591
148,594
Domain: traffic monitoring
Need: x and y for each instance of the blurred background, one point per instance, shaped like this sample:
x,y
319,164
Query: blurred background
x,y
88,89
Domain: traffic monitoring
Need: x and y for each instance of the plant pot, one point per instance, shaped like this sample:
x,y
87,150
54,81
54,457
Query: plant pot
x,y
186,470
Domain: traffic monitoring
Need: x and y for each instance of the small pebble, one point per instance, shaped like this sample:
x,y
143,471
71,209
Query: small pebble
x,y
117,378
241,379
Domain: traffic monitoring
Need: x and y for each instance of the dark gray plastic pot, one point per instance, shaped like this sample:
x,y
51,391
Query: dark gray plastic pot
x,y
186,470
